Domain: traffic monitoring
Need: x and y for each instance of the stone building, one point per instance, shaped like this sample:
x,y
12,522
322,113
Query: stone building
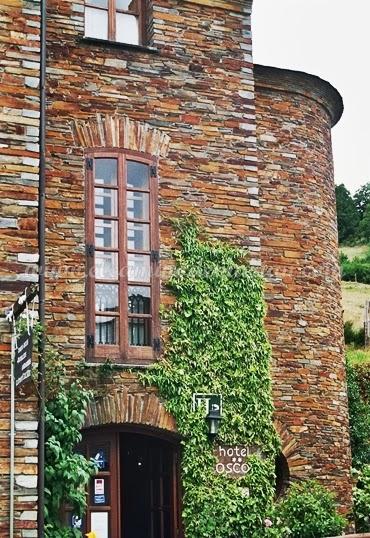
x,y
158,103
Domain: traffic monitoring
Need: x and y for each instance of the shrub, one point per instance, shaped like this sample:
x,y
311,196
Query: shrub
x,y
309,511
361,500
359,413
357,270
352,335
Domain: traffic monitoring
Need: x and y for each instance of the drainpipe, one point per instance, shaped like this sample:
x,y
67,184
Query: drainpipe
x,y
41,234
12,440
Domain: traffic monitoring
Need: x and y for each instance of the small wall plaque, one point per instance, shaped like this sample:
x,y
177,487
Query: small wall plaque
x,y
232,461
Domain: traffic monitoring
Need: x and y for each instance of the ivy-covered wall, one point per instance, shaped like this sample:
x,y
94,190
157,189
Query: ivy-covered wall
x,y
216,343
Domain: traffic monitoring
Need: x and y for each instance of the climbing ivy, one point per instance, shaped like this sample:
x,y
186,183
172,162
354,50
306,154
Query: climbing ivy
x,y
67,473
216,343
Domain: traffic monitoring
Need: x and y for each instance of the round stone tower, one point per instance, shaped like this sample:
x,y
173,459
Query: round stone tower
x,y
295,114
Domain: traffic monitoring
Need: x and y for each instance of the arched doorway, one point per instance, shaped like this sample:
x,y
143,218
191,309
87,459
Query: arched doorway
x,y
135,493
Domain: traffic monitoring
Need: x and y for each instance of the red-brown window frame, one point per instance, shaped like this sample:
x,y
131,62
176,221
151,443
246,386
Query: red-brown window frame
x,y
140,13
122,353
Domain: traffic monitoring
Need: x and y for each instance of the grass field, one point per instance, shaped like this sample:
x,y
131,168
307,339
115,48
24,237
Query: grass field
x,y
354,296
351,252
358,356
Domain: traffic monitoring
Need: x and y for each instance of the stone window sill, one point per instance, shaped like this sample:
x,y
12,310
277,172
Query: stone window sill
x,y
116,44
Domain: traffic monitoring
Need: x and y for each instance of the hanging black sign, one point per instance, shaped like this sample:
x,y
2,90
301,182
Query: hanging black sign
x,y
23,359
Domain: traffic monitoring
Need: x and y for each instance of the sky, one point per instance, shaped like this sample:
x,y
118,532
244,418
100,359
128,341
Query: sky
x,y
331,39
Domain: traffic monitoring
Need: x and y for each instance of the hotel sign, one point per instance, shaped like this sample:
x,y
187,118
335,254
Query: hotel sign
x,y
232,461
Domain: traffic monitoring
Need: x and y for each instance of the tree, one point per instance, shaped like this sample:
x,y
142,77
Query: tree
x,y
348,216
364,227
362,199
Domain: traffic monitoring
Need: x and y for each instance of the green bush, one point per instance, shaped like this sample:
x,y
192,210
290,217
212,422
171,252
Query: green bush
x,y
309,511
353,336
357,270
358,386
361,500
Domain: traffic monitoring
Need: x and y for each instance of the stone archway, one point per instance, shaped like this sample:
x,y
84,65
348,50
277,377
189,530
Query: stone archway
x,y
130,406
289,448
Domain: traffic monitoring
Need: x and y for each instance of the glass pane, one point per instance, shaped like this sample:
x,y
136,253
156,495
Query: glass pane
x,y
138,268
106,233
106,330
138,300
106,202
106,297
137,236
127,28
137,205
75,521
106,265
98,3
137,175
100,491
100,456
96,23
127,5
106,171
139,331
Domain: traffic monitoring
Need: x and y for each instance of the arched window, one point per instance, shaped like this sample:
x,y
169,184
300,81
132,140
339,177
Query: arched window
x,y
282,475
122,257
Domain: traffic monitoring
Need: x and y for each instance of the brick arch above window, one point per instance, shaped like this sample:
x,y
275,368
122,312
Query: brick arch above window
x,y
119,131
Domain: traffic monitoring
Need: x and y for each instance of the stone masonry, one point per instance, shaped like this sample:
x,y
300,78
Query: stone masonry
x,y
19,159
255,165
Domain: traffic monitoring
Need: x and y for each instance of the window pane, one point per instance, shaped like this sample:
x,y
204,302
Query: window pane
x,y
106,297
127,5
138,300
139,331
137,175
106,202
106,171
106,233
137,205
100,455
98,3
138,268
127,28
106,330
137,236
96,23
106,265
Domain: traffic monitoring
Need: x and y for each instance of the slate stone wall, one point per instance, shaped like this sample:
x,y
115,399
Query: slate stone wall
x,y
19,129
190,100
295,113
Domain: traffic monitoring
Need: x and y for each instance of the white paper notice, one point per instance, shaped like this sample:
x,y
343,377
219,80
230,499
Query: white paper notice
x,y
99,486
99,524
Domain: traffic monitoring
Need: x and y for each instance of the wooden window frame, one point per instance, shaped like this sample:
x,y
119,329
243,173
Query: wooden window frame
x,y
140,13
122,353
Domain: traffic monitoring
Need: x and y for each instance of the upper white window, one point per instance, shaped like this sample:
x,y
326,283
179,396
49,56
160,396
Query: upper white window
x,y
115,20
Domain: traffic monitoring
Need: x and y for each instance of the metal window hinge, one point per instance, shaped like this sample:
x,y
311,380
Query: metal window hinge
x,y
154,256
89,163
90,250
157,344
153,171
90,340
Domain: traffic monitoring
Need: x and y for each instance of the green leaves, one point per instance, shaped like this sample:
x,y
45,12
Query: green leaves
x,y
66,472
309,511
217,344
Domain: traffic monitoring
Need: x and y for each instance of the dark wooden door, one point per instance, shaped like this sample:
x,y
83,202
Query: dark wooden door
x,y
135,492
